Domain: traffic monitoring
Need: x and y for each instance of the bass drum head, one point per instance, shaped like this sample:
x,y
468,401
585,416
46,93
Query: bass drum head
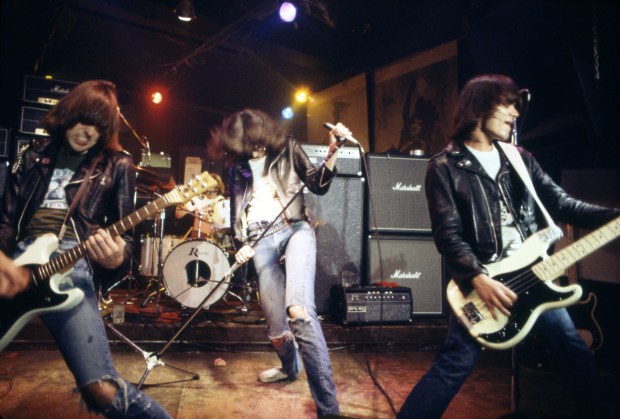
x,y
192,270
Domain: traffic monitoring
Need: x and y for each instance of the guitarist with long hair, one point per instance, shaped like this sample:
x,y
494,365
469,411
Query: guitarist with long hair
x,y
482,212
45,195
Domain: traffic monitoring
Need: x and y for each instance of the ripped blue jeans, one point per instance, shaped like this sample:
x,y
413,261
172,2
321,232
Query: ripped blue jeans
x,y
81,338
278,292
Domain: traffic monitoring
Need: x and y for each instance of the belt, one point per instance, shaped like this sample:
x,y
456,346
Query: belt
x,y
255,229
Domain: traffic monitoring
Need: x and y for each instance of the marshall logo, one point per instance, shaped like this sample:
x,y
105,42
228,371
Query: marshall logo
x,y
406,188
58,89
406,275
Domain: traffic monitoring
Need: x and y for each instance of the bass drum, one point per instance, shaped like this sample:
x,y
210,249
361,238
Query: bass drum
x,y
194,269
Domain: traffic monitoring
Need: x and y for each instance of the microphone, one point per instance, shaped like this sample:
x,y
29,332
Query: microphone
x,y
347,138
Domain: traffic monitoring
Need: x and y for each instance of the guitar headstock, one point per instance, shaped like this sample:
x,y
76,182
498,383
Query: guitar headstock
x,y
193,187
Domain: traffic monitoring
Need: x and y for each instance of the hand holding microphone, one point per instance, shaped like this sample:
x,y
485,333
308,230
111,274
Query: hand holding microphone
x,y
340,133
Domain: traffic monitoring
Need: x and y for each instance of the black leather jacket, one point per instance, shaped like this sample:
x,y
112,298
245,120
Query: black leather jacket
x,y
464,205
108,198
287,172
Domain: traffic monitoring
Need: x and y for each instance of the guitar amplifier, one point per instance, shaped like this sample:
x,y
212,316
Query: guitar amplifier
x,y
45,91
30,120
371,304
348,162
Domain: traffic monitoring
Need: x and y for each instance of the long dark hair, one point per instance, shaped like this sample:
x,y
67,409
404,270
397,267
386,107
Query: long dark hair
x,y
243,131
93,102
478,100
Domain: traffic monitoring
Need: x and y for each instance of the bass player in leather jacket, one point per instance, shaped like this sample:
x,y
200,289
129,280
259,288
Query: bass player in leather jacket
x,y
482,212
269,169
44,183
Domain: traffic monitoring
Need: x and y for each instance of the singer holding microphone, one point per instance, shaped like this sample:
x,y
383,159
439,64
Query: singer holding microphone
x,y
266,178
481,212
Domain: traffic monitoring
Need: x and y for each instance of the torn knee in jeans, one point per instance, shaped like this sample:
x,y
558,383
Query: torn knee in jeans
x,y
298,312
100,394
279,340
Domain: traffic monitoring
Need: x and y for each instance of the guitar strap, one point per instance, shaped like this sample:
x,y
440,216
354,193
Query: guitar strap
x,y
517,162
79,194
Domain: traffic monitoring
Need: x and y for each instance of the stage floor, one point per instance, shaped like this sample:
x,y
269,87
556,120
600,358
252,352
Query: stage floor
x,y
375,367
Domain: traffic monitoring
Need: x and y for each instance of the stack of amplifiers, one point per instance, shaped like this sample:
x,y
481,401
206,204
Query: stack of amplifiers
x,y
338,221
400,247
397,201
45,93
371,304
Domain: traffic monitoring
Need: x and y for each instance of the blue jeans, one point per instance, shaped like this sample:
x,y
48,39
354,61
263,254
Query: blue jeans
x,y
460,352
81,338
278,292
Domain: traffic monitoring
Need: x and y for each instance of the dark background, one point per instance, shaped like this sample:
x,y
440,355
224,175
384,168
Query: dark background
x,y
237,53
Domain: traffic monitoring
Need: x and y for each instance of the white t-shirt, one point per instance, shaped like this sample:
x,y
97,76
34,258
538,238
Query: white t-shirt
x,y
264,204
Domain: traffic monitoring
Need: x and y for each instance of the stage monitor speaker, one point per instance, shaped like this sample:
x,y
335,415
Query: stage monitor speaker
x,y
397,194
338,222
413,262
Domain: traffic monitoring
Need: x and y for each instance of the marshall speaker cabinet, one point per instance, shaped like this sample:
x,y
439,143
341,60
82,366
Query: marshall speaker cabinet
x,y
397,201
413,262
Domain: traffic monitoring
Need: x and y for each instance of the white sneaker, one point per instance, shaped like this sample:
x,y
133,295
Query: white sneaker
x,y
272,375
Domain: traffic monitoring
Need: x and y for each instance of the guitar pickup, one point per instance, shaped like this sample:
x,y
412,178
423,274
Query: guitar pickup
x,y
472,313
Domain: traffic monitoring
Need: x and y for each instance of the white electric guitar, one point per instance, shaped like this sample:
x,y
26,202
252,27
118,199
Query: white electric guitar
x,y
529,273
43,295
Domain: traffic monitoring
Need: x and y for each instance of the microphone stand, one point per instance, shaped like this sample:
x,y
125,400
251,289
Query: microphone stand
x,y
153,359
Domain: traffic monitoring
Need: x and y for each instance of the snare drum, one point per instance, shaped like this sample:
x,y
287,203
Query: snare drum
x,y
149,252
193,269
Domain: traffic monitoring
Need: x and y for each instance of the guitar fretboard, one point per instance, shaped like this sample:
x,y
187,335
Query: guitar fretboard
x,y
146,212
555,265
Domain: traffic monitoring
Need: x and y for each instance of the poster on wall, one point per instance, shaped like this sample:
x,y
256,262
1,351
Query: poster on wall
x,y
344,102
413,102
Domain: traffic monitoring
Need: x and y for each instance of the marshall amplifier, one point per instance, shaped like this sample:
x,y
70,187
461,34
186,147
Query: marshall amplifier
x,y
45,91
348,162
4,143
397,193
371,304
413,262
30,120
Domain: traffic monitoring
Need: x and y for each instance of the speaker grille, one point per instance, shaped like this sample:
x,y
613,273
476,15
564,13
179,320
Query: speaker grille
x,y
337,218
397,194
410,261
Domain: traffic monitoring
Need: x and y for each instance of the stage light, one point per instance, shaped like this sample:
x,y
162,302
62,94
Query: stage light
x,y
157,98
288,11
185,10
287,113
302,96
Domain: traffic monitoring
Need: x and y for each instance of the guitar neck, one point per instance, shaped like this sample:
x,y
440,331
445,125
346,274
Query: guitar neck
x,y
69,257
555,265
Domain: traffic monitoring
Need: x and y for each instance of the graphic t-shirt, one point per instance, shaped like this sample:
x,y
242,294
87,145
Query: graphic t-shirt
x,y
51,214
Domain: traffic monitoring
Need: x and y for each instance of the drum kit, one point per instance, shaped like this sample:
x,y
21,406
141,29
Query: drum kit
x,y
188,268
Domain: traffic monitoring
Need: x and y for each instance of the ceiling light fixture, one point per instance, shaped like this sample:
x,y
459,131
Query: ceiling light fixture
x,y
185,10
